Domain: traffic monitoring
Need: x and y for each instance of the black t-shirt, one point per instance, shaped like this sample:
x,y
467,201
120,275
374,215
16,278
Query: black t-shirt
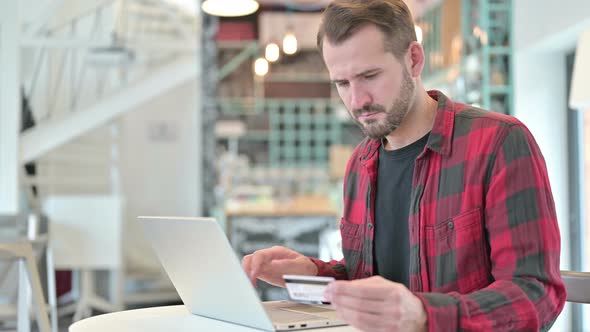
x,y
392,208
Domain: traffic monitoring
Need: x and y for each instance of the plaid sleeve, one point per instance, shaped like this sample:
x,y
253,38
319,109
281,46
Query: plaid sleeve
x,y
335,269
527,293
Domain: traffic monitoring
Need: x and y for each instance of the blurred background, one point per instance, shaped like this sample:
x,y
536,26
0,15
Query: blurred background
x,y
110,109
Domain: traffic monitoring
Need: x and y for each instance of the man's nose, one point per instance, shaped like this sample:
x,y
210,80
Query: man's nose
x,y
359,98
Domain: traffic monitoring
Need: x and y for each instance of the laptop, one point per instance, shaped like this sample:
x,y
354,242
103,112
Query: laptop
x,y
209,278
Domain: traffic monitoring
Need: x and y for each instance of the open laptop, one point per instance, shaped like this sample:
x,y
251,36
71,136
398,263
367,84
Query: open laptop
x,y
210,280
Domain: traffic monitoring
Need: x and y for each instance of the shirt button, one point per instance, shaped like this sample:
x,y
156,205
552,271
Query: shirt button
x,y
341,225
370,225
451,225
367,273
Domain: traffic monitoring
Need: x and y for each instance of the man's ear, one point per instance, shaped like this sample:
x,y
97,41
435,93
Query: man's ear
x,y
415,59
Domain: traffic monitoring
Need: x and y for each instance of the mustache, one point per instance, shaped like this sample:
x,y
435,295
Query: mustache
x,y
374,108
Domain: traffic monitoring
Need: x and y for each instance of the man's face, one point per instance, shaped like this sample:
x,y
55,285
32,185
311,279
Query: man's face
x,y
376,88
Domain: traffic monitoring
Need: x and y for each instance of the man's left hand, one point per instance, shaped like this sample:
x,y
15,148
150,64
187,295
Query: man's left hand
x,y
377,304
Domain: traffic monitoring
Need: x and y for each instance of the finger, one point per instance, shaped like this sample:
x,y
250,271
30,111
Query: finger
x,y
358,304
246,260
257,262
361,320
370,289
261,258
247,266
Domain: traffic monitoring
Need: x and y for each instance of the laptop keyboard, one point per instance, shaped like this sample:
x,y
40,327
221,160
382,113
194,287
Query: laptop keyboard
x,y
280,315
310,309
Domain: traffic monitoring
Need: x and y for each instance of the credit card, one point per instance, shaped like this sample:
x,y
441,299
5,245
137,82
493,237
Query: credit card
x,y
307,289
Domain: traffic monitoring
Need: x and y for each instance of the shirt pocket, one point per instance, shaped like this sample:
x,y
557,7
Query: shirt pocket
x,y
457,255
352,245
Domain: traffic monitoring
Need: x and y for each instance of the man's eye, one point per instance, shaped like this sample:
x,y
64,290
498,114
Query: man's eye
x,y
341,84
370,76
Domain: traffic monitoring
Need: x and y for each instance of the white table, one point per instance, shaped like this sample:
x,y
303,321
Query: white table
x,y
168,318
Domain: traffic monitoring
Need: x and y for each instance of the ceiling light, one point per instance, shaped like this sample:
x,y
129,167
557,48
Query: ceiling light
x,y
230,8
290,43
271,52
261,66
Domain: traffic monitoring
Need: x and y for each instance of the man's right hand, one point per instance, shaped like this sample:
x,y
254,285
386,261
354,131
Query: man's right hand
x,y
270,264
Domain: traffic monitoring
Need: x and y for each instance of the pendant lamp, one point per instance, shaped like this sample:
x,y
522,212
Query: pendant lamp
x,y
230,8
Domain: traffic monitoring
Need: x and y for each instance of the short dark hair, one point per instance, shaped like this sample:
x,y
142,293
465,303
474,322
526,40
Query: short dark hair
x,y
342,18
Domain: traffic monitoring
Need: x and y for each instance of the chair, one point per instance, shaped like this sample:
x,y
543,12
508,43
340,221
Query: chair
x,y
22,251
16,247
577,285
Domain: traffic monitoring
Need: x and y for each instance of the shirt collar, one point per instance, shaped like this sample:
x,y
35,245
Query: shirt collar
x,y
441,135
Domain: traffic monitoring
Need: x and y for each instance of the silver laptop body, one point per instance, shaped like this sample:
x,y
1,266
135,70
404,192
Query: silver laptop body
x,y
209,278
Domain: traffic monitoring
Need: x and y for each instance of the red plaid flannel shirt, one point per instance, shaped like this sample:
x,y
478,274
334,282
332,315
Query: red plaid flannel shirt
x,y
484,239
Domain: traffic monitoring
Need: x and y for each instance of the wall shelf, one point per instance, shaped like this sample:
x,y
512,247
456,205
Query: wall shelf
x,y
483,74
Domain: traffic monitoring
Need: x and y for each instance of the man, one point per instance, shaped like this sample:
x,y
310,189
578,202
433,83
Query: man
x,y
449,223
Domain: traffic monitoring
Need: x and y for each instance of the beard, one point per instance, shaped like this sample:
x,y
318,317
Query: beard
x,y
379,128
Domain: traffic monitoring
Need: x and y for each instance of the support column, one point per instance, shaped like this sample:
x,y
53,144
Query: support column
x,y
208,113
10,105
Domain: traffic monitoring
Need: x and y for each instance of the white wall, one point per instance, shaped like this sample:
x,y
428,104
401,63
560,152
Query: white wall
x,y
544,32
161,164
540,103
548,23
9,106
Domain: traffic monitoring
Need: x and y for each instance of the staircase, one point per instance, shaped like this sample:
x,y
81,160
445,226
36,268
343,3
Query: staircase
x,y
87,63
